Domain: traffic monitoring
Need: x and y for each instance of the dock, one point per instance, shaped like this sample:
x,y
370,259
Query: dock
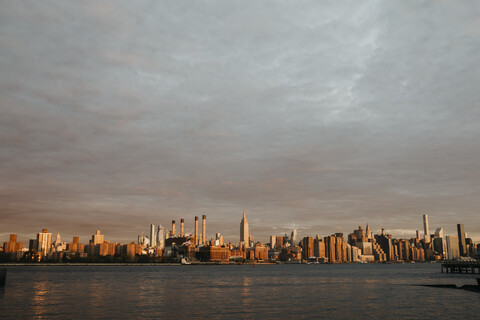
x,y
461,267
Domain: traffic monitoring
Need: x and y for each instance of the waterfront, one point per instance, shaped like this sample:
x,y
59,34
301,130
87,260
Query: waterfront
x,y
239,291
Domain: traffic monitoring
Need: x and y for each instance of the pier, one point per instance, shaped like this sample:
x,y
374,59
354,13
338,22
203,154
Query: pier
x,y
3,276
466,267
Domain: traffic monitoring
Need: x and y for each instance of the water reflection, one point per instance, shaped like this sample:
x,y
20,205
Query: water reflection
x,y
39,299
212,292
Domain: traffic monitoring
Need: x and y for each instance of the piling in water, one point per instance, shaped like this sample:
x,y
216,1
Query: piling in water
x,y
3,276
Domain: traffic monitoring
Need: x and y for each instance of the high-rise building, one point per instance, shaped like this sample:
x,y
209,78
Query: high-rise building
x,y
244,234
452,247
330,248
319,248
279,242
44,242
439,233
97,238
294,237
12,245
462,246
218,239
196,232
426,232
368,233
439,246
308,247
153,236
161,237
385,243
272,241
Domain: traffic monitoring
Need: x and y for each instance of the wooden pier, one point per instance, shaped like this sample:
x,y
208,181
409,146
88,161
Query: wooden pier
x,y
465,267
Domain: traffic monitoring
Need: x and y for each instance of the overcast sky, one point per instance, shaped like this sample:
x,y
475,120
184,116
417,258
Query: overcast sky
x,y
323,115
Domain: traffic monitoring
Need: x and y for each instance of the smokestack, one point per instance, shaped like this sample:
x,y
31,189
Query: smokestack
x,y
383,232
181,227
174,232
204,229
425,228
196,231
418,234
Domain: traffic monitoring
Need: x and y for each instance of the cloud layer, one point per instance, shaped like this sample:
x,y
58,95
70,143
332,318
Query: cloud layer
x,y
323,115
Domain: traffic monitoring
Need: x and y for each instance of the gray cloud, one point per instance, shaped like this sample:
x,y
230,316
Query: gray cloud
x,y
326,116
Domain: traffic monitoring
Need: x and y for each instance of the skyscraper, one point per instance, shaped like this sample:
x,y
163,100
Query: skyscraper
x,y
161,237
294,236
425,228
461,240
452,247
44,242
97,238
153,236
244,235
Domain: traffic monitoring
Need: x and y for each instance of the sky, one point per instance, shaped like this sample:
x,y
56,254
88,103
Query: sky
x,y
319,115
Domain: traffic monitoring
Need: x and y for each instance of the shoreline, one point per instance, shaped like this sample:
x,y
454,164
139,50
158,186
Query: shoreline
x,y
131,264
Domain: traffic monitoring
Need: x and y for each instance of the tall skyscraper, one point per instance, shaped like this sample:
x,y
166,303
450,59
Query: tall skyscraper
x,y
244,234
153,236
294,236
461,240
44,242
161,237
204,229
425,228
452,247
196,232
272,240
439,233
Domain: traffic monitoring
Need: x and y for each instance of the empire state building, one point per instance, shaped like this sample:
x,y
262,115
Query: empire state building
x,y
244,235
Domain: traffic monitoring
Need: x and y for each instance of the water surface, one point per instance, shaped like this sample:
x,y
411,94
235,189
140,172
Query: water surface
x,y
242,291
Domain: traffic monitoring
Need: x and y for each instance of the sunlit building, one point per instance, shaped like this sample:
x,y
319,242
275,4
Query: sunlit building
x,y
244,232
44,242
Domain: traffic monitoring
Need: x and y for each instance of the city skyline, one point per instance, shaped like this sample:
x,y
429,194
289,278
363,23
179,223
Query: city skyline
x,y
119,115
164,245
245,232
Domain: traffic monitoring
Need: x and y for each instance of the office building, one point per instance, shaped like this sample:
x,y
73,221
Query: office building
x,y
426,232
97,238
161,237
12,245
452,247
44,242
272,241
153,236
244,232
294,237
461,240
